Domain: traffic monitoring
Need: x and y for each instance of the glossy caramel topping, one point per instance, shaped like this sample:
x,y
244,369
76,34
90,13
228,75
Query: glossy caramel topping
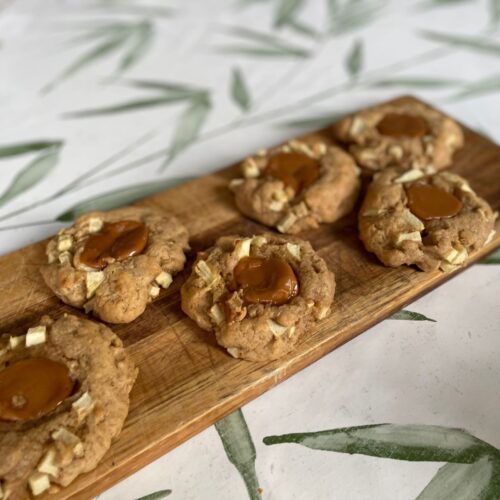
x,y
266,280
115,241
400,125
296,170
429,202
33,387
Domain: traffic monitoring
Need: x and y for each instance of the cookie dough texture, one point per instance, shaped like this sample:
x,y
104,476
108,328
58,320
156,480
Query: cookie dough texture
x,y
73,438
268,201
390,230
374,151
257,332
121,291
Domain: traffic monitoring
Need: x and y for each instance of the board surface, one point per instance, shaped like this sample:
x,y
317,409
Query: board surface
x,y
186,382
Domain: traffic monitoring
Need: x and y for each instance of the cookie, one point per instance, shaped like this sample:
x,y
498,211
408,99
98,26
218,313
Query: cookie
x,y
408,135
259,295
432,221
113,263
297,186
64,395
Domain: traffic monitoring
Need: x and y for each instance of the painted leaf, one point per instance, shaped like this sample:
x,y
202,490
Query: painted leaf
x,y
493,258
168,88
475,43
315,121
495,12
119,198
240,450
354,60
410,315
416,82
89,57
239,90
157,495
262,51
129,106
143,38
351,16
303,29
26,147
401,442
481,87
286,11
32,174
463,482
145,10
189,125
428,4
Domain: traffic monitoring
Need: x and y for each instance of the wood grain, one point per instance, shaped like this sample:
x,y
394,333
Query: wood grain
x,y
186,382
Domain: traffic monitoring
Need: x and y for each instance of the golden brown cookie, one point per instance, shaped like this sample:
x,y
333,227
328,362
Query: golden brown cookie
x,y
259,295
432,221
113,263
410,135
64,395
297,186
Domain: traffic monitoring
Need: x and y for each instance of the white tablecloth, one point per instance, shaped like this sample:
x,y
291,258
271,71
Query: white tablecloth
x,y
106,102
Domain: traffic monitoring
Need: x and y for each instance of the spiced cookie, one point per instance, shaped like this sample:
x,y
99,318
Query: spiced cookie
x,y
409,135
114,263
297,186
432,221
64,395
259,295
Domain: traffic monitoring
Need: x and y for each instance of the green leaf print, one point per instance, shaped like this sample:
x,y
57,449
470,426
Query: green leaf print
x,y
157,495
286,11
26,147
119,198
239,90
260,45
354,60
492,258
484,86
475,43
345,17
464,482
240,450
415,82
410,315
189,125
495,12
402,442
32,174
111,38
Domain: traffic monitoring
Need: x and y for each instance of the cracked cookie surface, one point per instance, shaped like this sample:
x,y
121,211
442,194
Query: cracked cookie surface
x,y
432,221
262,328
297,186
49,449
116,291
408,135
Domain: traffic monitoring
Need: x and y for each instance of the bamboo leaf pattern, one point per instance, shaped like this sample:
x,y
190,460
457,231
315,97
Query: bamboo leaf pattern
x,y
189,125
27,147
113,37
495,12
416,82
240,450
493,258
286,12
463,482
157,495
481,87
32,174
354,60
349,16
119,198
402,442
475,43
239,90
410,315
261,44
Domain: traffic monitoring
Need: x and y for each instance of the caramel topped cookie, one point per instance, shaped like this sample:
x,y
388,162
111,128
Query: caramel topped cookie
x,y
432,221
297,186
410,135
114,263
259,295
64,395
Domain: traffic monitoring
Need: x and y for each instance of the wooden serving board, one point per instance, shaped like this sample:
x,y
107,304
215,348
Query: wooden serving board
x,y
186,382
